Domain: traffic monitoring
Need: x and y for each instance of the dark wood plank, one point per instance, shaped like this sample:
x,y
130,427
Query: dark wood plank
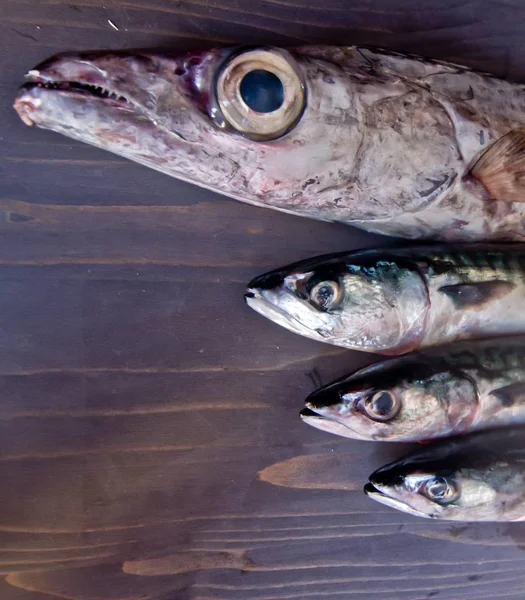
x,y
150,446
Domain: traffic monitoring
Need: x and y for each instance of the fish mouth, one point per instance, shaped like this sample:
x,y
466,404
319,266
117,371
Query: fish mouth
x,y
110,100
313,416
325,397
382,497
370,490
321,403
323,423
66,76
260,303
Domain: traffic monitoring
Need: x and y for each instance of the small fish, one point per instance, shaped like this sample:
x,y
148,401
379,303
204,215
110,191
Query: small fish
x,y
393,301
480,477
433,393
390,143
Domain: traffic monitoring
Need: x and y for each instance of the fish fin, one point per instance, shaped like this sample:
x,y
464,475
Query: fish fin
x,y
501,168
510,394
462,416
470,295
462,403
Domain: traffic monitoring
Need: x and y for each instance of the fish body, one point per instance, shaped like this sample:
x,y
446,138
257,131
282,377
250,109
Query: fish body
x,y
390,143
480,477
392,301
432,393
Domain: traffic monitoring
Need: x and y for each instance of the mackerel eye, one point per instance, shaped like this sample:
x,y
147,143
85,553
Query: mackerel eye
x,y
261,93
326,295
441,490
382,406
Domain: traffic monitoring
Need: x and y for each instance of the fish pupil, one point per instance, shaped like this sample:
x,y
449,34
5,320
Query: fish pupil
x,y
262,91
325,295
383,404
439,488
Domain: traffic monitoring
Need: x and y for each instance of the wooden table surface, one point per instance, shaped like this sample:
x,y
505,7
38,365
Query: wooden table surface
x,y
150,445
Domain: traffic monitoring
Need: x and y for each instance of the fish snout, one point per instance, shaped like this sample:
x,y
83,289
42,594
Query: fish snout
x,y
323,398
267,281
325,424
310,417
69,68
27,102
388,476
370,490
321,421
61,74
253,297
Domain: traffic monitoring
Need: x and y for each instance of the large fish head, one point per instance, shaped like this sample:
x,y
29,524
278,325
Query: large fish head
x,y
453,480
403,399
356,301
255,123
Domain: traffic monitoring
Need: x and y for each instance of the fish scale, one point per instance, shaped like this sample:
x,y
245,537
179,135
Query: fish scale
x,y
475,262
474,267
496,357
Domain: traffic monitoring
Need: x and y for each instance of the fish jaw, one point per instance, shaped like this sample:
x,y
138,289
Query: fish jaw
x,y
272,305
335,413
80,85
85,81
323,424
329,425
112,125
374,492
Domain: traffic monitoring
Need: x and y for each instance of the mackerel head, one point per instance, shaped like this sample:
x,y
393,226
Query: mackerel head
x,y
386,142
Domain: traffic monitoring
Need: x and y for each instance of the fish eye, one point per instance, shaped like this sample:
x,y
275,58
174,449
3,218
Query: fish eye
x,y
261,93
382,406
326,295
440,490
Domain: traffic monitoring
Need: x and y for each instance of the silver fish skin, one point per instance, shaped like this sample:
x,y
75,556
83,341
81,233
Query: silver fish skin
x,y
433,393
397,300
390,143
479,477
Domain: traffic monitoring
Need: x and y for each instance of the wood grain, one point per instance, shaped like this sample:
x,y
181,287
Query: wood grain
x,y
150,445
